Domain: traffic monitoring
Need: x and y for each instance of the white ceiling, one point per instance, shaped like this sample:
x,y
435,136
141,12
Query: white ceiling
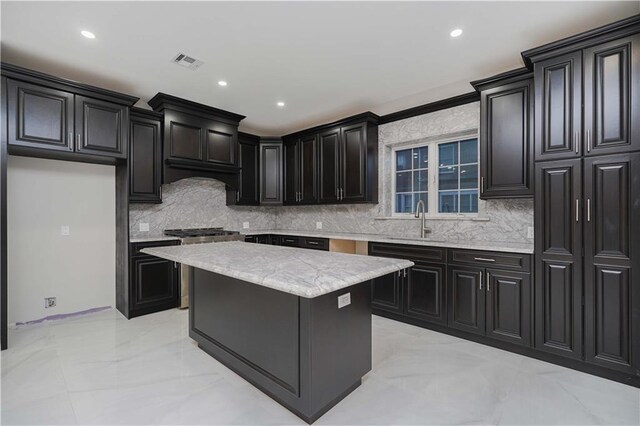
x,y
326,60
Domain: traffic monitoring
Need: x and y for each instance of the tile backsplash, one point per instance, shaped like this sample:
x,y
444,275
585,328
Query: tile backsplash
x,y
202,202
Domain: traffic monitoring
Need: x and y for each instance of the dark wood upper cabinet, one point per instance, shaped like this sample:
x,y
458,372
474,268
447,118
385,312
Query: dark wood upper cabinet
x,y
558,246
308,169
291,172
145,157
198,141
558,107
101,127
611,247
509,304
334,163
248,160
612,96
506,135
466,299
49,114
271,170
329,166
40,117
354,163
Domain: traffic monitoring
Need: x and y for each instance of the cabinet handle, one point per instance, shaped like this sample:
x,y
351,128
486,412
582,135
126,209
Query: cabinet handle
x,y
70,141
175,265
399,274
575,140
588,209
482,184
588,141
481,275
488,283
577,210
313,243
237,196
341,193
78,142
484,259
405,273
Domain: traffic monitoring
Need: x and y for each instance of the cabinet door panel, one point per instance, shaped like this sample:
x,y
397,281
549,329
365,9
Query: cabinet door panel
x,y
308,169
558,107
612,191
144,160
271,173
425,293
100,127
154,285
354,163
466,299
558,247
385,293
291,166
509,306
506,141
248,184
220,143
329,165
39,117
611,92
184,136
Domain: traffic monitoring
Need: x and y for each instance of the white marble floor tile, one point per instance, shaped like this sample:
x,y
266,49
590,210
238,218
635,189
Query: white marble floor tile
x,y
104,369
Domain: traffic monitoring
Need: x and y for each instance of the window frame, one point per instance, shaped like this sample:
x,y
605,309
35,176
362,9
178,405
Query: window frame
x,y
433,178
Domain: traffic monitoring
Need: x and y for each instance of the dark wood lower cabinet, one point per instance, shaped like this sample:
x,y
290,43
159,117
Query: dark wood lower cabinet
x,y
466,299
386,293
508,308
425,293
153,282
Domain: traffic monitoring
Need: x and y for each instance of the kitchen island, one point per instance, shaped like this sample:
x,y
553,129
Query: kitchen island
x,y
295,323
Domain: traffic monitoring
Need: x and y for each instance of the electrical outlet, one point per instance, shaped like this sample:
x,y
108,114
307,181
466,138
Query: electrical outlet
x,y
318,225
64,230
530,232
245,225
144,227
49,302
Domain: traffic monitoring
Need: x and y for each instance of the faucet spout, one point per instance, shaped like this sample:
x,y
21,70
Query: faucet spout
x,y
423,229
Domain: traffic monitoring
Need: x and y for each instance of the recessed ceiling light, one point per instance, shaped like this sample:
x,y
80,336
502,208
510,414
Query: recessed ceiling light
x,y
456,33
280,104
222,83
88,34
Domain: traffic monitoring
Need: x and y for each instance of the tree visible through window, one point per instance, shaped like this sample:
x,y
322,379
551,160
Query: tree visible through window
x,y
451,166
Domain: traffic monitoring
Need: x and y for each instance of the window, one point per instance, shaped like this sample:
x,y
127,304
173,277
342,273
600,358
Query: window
x,y
442,174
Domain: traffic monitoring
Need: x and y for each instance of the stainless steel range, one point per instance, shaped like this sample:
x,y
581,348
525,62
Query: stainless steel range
x,y
198,236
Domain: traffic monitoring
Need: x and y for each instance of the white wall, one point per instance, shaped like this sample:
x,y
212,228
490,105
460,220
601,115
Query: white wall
x,y
79,269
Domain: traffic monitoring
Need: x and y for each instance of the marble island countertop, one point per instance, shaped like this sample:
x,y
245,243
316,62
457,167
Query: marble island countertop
x,y
471,244
302,272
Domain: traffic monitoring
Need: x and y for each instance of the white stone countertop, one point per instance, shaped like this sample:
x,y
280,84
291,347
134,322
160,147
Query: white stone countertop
x,y
302,272
471,244
150,239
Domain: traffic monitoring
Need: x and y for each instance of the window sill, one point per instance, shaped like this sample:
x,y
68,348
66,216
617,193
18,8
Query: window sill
x,y
470,218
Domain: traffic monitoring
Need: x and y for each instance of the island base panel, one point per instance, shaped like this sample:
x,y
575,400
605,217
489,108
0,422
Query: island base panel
x,y
307,354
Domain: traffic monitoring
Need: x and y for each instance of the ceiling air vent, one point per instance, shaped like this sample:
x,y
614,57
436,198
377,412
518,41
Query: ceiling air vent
x,y
187,61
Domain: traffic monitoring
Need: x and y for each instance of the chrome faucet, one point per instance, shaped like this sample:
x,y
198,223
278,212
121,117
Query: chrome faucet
x,y
423,229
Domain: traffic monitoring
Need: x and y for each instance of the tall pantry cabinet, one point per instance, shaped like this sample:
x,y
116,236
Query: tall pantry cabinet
x,y
587,197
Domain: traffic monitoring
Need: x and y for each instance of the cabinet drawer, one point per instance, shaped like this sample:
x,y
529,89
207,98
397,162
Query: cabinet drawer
x,y
408,252
289,241
513,261
314,243
134,248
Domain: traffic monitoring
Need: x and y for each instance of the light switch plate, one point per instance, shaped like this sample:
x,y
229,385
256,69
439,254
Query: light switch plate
x,y
144,227
245,225
530,232
344,300
64,230
318,225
